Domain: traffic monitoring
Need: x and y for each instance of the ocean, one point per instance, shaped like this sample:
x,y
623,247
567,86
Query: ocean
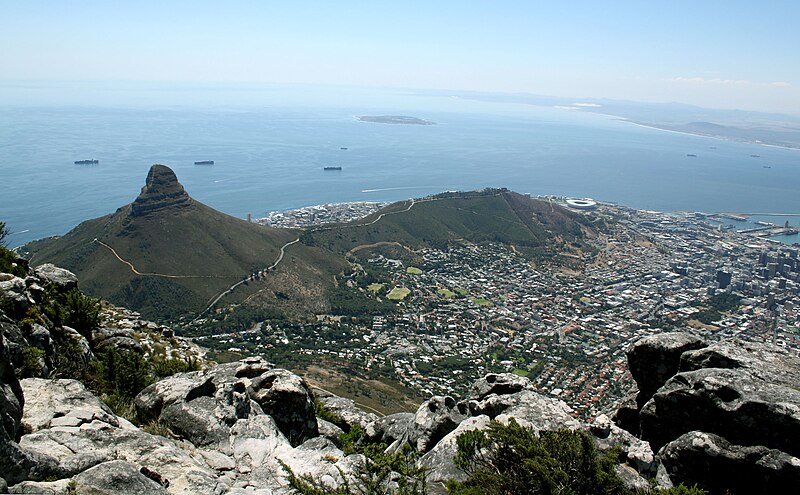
x,y
270,147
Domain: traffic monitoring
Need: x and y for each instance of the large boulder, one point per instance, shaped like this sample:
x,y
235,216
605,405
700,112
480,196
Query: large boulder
x,y
120,339
15,465
116,478
73,431
347,410
439,461
498,384
434,419
53,403
725,407
724,468
288,399
61,278
735,404
260,451
151,401
202,406
504,396
529,408
654,359
389,429
15,291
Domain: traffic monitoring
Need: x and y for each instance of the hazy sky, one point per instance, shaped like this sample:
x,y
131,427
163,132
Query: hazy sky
x,y
726,54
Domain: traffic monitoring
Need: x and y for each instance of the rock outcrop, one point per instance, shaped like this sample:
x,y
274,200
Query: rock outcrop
x,y
347,412
435,418
724,415
161,190
60,277
721,467
15,465
203,406
653,360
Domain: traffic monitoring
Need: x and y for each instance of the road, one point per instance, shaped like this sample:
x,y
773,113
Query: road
x,y
244,280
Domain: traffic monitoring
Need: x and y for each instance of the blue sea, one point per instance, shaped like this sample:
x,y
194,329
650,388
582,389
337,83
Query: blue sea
x,y
270,145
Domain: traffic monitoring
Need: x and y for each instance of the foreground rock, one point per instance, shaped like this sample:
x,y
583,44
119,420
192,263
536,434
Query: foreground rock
x,y
348,413
116,478
81,433
202,407
727,417
654,360
721,467
15,465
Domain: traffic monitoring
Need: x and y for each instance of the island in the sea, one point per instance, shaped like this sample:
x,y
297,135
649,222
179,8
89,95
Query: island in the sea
x,y
393,119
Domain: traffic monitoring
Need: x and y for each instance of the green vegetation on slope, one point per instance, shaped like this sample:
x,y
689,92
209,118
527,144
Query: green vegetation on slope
x,y
536,227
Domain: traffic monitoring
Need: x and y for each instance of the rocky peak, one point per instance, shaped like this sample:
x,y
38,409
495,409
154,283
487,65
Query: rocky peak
x,y
161,190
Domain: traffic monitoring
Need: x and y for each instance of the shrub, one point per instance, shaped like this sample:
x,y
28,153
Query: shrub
x,y
120,375
510,459
32,363
69,360
377,476
74,309
323,412
169,366
8,263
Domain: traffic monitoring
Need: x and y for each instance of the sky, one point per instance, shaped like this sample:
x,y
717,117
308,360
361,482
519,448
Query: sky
x,y
717,54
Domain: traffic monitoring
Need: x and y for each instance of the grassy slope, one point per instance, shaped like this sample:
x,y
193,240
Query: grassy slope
x,y
505,217
185,241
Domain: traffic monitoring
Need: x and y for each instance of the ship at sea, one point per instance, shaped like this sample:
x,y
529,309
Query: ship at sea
x,y
204,162
332,168
87,162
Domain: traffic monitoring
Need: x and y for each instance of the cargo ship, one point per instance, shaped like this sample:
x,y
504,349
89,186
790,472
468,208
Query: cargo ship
x,y
204,162
332,168
87,162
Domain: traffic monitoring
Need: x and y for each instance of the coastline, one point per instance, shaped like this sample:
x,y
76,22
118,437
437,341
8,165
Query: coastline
x,y
710,136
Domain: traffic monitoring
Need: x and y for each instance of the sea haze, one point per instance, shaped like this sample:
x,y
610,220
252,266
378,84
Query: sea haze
x,y
270,148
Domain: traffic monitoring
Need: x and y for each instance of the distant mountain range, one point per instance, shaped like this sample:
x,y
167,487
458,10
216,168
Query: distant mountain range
x,y
167,255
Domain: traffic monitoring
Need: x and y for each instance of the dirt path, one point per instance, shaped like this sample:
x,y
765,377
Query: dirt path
x,y
148,274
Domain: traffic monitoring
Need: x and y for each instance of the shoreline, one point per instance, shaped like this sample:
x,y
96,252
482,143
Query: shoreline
x,y
709,136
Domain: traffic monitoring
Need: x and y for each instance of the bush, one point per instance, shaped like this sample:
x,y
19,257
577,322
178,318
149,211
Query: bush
x,y
69,360
377,476
323,412
168,367
74,309
32,362
510,459
120,375
8,263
